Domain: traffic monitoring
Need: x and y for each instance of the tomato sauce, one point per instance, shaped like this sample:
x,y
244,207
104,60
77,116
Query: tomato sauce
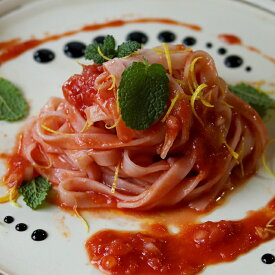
x,y
19,48
79,89
188,252
230,39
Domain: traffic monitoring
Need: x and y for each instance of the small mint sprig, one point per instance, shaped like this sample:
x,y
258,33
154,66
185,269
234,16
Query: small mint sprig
x,y
143,93
101,52
13,106
261,102
35,191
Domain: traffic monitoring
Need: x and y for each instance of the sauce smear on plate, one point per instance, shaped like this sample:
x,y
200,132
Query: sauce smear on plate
x,y
188,252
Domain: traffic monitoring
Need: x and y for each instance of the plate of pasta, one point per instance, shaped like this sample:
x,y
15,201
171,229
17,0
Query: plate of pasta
x,y
128,132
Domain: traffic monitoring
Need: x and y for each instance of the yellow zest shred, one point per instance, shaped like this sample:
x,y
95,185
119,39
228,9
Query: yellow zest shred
x,y
195,96
265,92
81,218
259,85
117,102
206,103
268,170
159,51
86,126
168,57
263,231
179,81
113,190
101,54
173,102
234,154
5,198
114,81
114,125
270,230
11,197
130,55
192,71
55,132
190,87
241,158
269,223
227,105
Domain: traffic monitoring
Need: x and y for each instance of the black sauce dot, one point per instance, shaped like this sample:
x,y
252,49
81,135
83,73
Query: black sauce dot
x,y
99,39
137,36
222,51
74,49
8,219
39,235
248,68
43,56
189,41
209,45
268,258
166,36
21,227
233,61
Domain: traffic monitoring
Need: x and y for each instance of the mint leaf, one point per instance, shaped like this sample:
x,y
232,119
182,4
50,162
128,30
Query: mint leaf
x,y
13,106
35,191
259,101
143,94
107,48
127,48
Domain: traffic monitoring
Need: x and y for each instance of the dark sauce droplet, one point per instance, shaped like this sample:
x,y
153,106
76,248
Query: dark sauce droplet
x,y
189,41
248,69
8,219
39,235
222,51
209,45
99,39
137,36
21,227
74,49
233,61
43,56
268,258
166,36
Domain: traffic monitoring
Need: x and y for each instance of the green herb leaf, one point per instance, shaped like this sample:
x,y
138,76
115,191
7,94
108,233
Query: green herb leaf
x,y
127,48
143,94
35,191
259,101
13,106
108,49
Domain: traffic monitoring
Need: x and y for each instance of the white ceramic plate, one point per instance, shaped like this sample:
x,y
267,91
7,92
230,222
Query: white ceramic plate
x,y
63,251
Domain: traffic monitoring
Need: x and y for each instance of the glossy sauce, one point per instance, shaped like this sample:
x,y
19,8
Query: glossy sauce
x,y
21,227
15,49
230,39
39,235
189,41
8,219
221,51
233,61
268,258
43,56
197,246
167,36
74,49
137,36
